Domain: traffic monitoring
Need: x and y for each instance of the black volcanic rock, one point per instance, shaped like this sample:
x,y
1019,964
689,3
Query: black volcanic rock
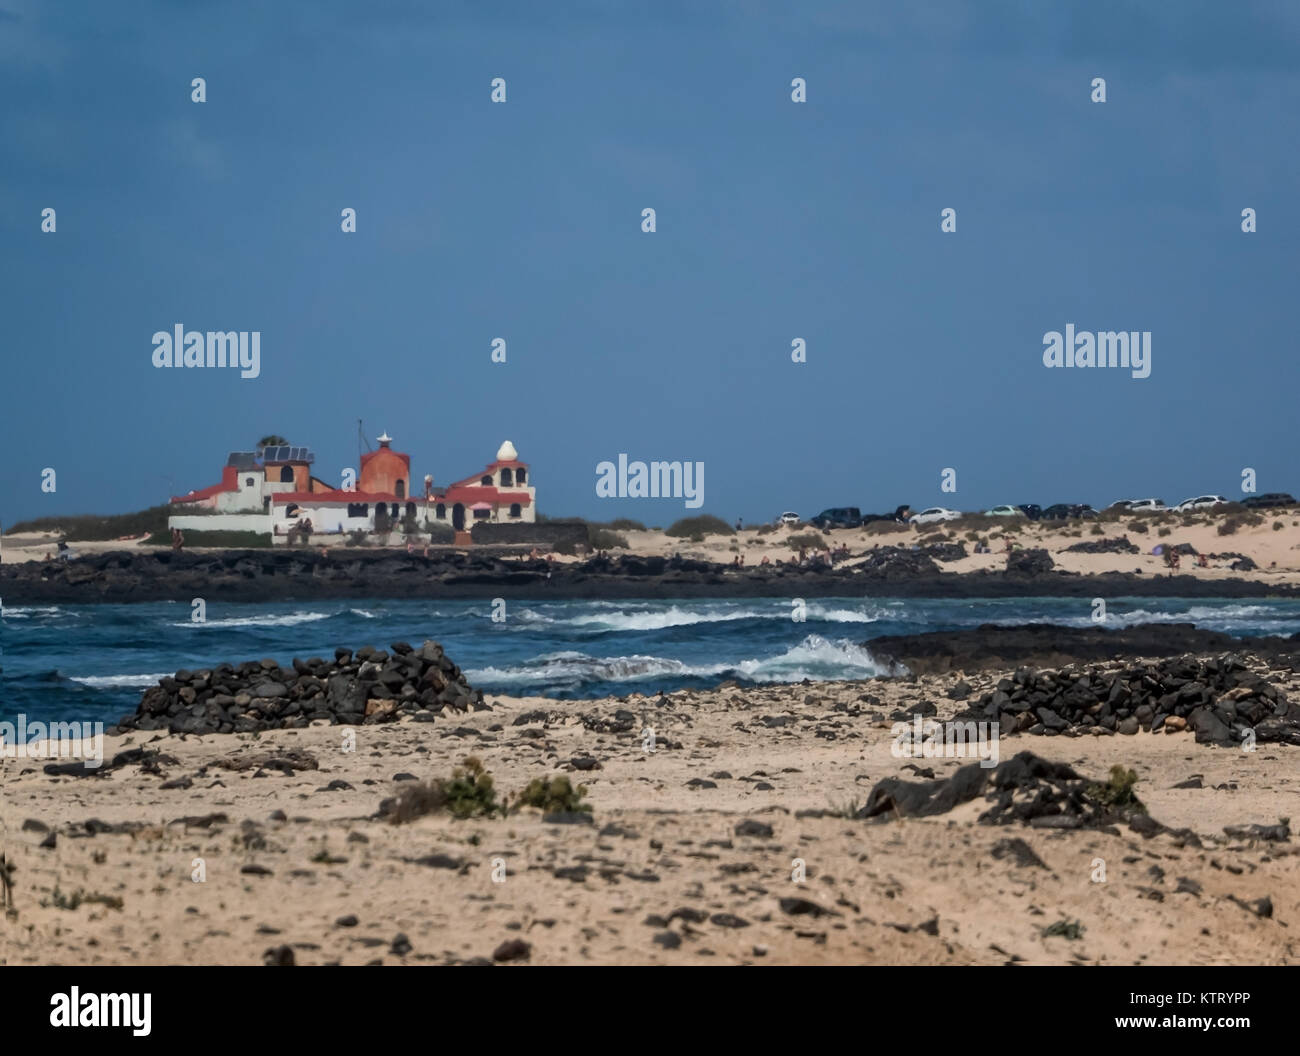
x,y
1025,789
1120,545
369,686
1029,562
992,646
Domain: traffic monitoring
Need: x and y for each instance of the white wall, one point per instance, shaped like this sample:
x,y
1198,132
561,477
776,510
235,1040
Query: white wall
x,y
223,522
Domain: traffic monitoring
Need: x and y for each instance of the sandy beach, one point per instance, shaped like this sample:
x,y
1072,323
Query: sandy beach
x,y
691,856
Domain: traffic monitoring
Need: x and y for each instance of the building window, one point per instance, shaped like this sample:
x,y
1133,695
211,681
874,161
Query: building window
x,y
521,475
506,478
482,515
515,511
358,509
410,509
400,490
486,482
392,510
249,482
286,474
441,512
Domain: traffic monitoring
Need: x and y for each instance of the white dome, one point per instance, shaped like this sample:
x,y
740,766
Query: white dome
x,y
507,453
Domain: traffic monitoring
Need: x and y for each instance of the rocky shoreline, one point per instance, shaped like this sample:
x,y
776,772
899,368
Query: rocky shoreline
x,y
998,646
293,575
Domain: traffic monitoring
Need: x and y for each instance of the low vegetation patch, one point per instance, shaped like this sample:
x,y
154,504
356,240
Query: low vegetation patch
x,y
705,524
468,793
59,900
84,528
1117,793
1229,525
554,796
605,539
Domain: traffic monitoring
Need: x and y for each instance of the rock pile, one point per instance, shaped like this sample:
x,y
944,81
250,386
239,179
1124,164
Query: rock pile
x,y
367,686
1219,698
945,551
1029,562
889,562
1120,545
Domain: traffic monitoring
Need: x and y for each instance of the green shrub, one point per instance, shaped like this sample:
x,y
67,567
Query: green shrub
x,y
358,537
705,524
1277,526
626,524
1138,526
555,796
805,539
468,793
440,532
1117,793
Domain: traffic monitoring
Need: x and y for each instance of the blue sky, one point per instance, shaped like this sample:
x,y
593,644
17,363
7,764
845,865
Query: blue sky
x,y
775,220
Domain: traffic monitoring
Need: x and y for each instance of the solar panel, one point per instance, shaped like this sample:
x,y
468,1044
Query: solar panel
x,y
285,453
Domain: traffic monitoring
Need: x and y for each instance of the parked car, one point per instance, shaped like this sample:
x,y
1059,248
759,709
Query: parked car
x,y
788,518
1005,511
1030,510
1201,502
935,515
1269,499
1140,505
838,517
1120,505
901,515
1064,510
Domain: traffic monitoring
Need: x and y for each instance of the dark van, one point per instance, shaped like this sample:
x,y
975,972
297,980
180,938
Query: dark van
x,y
838,517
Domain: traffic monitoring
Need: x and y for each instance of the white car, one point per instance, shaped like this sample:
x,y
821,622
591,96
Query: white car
x,y
1147,506
788,518
1005,511
1201,502
934,515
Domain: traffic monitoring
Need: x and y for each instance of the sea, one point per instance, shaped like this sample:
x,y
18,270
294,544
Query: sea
x,y
91,662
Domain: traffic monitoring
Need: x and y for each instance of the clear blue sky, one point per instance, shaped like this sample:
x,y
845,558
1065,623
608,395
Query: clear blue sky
x,y
775,221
